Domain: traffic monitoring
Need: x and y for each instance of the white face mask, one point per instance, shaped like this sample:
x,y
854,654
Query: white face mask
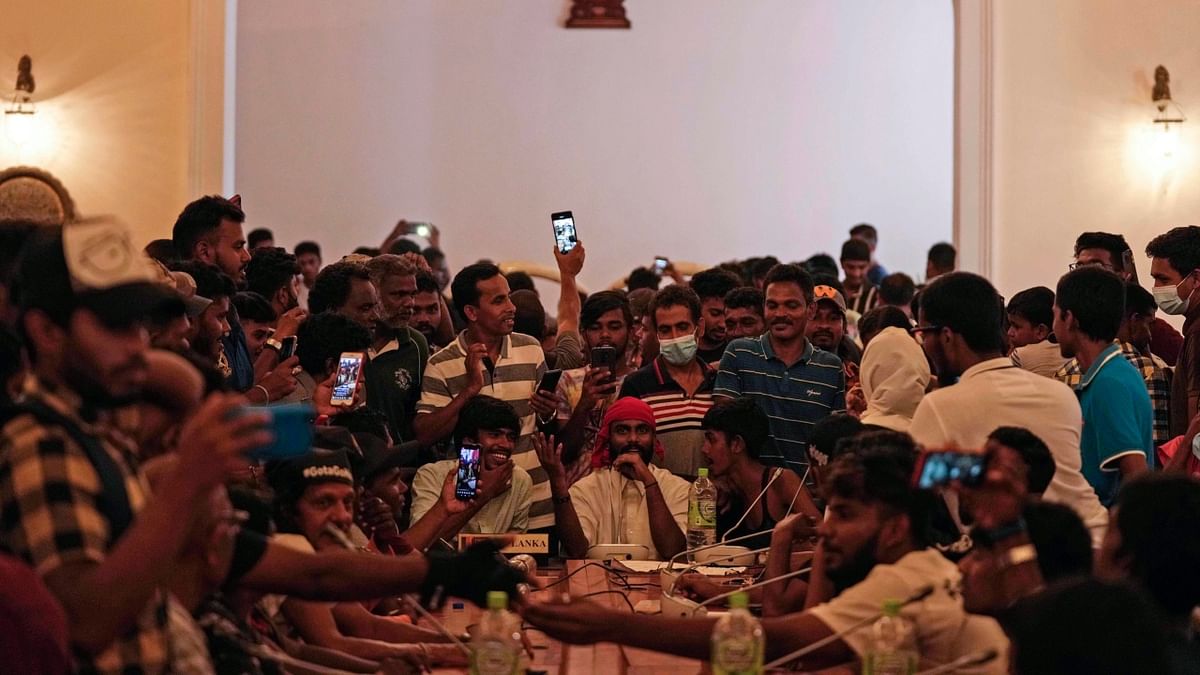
x,y
1168,300
679,351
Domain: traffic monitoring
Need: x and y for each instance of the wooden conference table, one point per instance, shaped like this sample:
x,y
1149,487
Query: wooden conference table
x,y
590,579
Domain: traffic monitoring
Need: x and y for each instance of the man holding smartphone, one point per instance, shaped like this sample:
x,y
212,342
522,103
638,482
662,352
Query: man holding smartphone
x,y
503,498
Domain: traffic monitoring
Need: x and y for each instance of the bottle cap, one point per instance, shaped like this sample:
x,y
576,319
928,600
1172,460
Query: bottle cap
x,y
497,600
703,472
891,607
739,600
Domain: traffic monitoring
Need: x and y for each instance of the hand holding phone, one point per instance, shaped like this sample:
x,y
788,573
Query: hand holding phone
x,y
287,347
549,381
349,370
564,230
939,468
661,264
467,480
290,426
605,356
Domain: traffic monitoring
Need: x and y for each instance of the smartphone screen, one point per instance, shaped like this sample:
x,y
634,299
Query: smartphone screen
x,y
348,372
564,230
938,469
660,265
287,348
468,472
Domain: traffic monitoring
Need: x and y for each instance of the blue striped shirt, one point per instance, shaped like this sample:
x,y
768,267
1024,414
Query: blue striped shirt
x,y
794,397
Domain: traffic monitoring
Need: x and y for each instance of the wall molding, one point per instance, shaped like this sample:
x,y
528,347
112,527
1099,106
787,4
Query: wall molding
x,y
206,97
974,117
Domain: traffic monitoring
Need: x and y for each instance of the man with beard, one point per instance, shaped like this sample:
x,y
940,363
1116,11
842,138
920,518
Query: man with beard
x,y
209,230
827,330
875,549
399,352
502,504
625,500
274,274
73,498
487,354
427,309
795,383
960,330
712,285
258,320
212,324
585,393
345,288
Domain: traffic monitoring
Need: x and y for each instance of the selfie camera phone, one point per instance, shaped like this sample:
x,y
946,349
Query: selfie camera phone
x,y
564,230
468,472
660,265
550,380
940,468
287,347
349,371
291,428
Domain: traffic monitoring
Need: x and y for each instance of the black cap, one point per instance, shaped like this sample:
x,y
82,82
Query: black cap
x,y
293,476
91,265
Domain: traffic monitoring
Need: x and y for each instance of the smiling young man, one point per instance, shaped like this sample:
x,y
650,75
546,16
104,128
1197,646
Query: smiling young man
x,y
1175,267
626,499
875,549
712,285
827,329
861,295
487,357
796,384
677,385
504,491
744,313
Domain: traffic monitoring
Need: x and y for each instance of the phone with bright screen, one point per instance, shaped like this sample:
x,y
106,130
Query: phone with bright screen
x,y
468,472
940,468
349,371
564,230
660,265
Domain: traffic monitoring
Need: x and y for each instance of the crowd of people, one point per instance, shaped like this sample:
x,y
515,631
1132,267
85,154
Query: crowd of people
x,y
149,523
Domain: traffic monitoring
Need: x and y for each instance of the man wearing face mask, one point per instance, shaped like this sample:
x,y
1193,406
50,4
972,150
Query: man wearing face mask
x,y
1175,267
625,500
678,384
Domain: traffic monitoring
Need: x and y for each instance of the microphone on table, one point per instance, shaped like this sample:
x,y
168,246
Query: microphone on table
x,y
690,551
674,605
968,661
696,565
757,584
921,593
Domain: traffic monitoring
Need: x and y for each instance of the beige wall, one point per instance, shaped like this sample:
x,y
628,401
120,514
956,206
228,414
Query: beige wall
x,y
117,103
1074,147
713,129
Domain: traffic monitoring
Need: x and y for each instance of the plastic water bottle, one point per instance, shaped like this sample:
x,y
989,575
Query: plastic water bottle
x,y
496,648
893,649
737,640
702,513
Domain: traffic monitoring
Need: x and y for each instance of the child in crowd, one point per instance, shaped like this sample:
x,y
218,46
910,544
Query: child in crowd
x,y
1030,321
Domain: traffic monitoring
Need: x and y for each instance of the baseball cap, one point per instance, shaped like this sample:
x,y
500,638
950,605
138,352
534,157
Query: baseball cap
x,y
90,265
831,295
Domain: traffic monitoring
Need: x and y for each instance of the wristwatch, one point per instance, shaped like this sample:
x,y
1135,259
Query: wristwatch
x,y
563,499
274,344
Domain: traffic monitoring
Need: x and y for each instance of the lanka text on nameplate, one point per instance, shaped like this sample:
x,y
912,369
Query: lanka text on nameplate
x,y
533,544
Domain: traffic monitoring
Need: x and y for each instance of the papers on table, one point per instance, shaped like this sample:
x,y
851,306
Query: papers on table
x,y
652,566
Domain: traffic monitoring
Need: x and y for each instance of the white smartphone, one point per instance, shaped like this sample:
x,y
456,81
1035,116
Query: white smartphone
x,y
348,373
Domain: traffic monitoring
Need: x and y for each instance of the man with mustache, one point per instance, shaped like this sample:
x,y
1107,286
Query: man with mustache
x,y
875,547
399,352
212,324
488,357
626,499
795,383
827,329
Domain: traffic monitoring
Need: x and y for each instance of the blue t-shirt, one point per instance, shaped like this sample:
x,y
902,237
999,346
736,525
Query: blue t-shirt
x,y
795,398
1117,420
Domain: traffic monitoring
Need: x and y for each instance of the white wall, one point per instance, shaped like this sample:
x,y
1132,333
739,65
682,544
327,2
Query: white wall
x,y
113,99
1074,147
712,129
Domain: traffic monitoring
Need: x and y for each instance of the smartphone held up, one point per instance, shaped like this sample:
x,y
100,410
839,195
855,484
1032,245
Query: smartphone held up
x,y
467,480
349,371
564,231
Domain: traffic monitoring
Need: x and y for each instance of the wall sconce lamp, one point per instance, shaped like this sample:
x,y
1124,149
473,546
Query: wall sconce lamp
x,y
1167,112
18,114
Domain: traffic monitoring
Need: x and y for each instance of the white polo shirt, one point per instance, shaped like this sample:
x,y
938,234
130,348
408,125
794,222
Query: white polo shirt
x,y
996,393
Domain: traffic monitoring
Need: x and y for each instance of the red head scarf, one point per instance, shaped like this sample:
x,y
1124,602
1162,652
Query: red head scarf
x,y
628,408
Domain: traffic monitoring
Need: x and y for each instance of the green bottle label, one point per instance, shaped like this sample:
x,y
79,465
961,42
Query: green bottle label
x,y
702,513
737,657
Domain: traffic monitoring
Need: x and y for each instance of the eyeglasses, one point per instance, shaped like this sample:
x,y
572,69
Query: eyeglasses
x,y
915,330
1091,263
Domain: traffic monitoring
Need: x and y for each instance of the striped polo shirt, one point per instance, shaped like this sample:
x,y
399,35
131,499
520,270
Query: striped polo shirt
x,y
517,372
794,398
677,416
